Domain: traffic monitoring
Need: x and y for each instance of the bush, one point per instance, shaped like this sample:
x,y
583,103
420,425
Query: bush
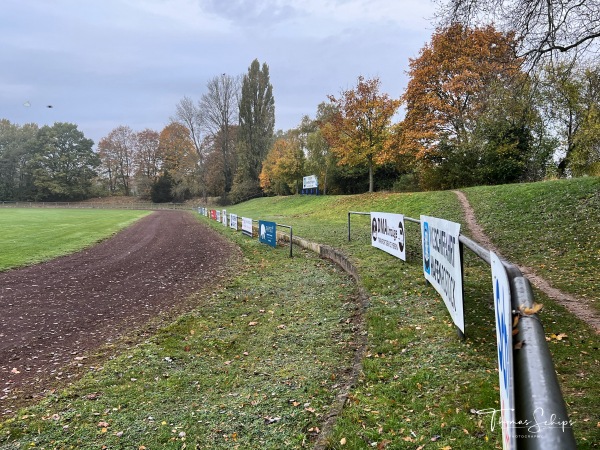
x,y
162,189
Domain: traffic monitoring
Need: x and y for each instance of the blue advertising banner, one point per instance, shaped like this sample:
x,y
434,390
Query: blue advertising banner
x,y
267,233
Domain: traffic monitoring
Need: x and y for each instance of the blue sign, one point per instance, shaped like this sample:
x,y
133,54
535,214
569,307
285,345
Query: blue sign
x,y
267,233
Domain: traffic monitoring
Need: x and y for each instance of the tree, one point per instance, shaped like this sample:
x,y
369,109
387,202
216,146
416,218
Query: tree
x,y
359,131
572,95
17,146
320,160
148,160
219,117
64,163
541,27
256,126
284,166
459,85
117,154
180,159
190,116
162,189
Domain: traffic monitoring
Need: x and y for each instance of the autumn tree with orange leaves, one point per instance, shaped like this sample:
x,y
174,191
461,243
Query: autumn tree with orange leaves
x,y
359,131
180,159
282,170
458,78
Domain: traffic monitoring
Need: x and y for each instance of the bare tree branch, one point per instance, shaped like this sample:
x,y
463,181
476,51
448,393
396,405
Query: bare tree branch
x,y
542,27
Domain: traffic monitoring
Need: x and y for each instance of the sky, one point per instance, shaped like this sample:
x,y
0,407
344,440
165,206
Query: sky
x,y
101,64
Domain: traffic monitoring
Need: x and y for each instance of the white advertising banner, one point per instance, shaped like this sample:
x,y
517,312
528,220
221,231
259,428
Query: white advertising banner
x,y
247,226
387,233
224,217
218,215
503,309
310,182
441,263
233,221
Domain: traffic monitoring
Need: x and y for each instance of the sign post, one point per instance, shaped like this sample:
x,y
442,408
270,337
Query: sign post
x,y
233,221
442,265
387,233
310,185
247,226
503,312
267,233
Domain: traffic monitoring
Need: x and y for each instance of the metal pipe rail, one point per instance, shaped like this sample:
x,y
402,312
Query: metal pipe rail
x,y
542,422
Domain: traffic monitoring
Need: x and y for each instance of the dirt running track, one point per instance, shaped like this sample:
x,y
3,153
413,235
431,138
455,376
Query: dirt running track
x,y
52,313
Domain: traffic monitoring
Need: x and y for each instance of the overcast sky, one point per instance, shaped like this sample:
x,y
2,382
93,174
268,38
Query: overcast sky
x,y
105,63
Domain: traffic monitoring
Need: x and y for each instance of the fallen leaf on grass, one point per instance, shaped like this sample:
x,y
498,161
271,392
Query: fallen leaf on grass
x,y
558,337
343,441
252,324
533,310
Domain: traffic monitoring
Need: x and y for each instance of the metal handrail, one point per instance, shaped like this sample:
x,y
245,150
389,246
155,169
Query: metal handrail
x,y
541,414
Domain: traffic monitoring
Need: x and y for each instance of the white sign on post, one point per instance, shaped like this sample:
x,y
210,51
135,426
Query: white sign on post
x,y
442,265
310,182
503,309
247,226
387,233
233,221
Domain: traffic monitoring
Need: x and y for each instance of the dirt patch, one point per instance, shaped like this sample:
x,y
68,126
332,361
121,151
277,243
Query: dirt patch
x,y
53,314
577,306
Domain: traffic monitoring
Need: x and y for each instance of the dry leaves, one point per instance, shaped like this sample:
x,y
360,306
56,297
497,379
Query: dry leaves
x,y
526,311
556,337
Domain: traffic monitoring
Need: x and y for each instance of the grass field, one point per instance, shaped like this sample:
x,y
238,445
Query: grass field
x,y
193,385
34,235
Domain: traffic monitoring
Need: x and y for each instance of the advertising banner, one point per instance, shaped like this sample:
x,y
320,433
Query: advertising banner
x,y
233,222
213,214
387,233
503,311
247,226
267,233
224,217
218,215
442,265
310,182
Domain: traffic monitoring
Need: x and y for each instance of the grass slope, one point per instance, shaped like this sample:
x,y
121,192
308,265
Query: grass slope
x,y
419,384
31,236
553,227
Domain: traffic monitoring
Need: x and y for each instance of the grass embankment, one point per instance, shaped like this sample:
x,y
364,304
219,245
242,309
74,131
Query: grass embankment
x,y
31,236
419,384
554,227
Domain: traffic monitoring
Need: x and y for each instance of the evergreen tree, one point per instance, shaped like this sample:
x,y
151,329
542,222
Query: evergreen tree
x,y
255,135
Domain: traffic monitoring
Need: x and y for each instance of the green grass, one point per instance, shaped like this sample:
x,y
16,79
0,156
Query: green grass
x,y
31,236
419,383
553,227
256,365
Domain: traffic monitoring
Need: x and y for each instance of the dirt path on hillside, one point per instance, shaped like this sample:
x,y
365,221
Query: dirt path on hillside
x,y
577,306
53,314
